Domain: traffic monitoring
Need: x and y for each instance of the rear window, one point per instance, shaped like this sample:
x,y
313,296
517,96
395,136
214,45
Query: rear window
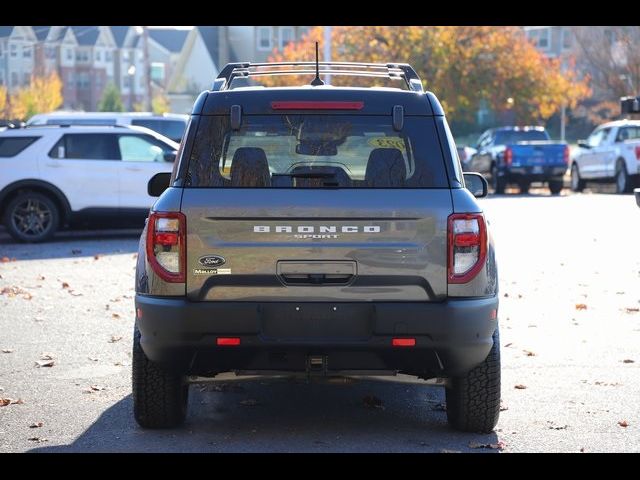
x,y
316,151
11,146
514,136
172,129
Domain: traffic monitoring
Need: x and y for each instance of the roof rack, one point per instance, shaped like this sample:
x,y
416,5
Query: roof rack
x,y
71,124
402,71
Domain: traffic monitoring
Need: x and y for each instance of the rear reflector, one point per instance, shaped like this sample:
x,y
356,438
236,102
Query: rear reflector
x,y
493,315
403,342
228,341
308,105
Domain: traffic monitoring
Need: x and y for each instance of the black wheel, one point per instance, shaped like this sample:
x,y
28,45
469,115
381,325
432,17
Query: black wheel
x,y
623,184
498,184
159,395
473,401
555,186
524,186
577,184
31,217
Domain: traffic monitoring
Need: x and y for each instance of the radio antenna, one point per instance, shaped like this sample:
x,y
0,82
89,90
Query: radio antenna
x,y
317,81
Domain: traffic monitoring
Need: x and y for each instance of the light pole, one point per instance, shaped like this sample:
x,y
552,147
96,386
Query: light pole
x,y
132,81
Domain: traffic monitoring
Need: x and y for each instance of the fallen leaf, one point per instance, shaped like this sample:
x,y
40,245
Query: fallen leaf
x,y
46,356
115,315
632,309
623,423
93,359
519,296
503,407
581,306
36,425
582,450
41,277
17,402
506,295
118,364
4,402
555,427
508,344
38,439
65,285
45,363
135,255
13,291
10,350
493,446
520,386
115,338
626,360
529,353
96,257
250,402
371,401
38,319
97,388
619,293
76,251
74,293
106,307
7,260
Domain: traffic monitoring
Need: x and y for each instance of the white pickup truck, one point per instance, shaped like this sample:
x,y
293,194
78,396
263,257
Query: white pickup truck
x,y
610,154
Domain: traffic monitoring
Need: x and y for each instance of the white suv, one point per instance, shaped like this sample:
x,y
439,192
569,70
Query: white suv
x,y
56,176
610,154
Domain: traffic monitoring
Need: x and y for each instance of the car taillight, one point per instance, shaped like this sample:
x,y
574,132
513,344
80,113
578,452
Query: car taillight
x,y
166,245
508,156
566,154
637,152
467,246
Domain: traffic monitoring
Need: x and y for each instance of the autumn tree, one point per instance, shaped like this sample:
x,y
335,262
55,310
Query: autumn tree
x,y
111,100
3,102
464,66
160,104
43,95
612,56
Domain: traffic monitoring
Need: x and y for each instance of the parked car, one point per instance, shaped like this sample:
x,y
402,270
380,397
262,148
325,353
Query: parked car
x,y
520,155
170,125
464,154
56,176
610,154
317,231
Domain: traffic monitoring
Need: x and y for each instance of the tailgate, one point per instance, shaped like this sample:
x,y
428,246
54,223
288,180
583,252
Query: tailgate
x,y
538,154
316,245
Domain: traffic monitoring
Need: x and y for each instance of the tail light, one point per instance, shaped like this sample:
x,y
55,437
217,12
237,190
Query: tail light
x,y
638,152
166,245
508,156
467,246
566,154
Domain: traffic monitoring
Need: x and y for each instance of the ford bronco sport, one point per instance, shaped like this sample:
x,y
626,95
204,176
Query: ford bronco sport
x,y
317,230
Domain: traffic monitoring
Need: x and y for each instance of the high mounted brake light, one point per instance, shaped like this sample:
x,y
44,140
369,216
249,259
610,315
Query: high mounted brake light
x,y
467,239
311,105
166,245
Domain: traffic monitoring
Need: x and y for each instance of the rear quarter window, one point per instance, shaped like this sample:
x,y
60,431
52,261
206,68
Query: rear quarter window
x,y
12,146
316,151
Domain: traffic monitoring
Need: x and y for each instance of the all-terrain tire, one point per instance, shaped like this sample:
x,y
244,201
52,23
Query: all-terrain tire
x,y
159,395
473,401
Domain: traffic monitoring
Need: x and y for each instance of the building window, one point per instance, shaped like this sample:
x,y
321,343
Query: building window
x,y
265,35
125,54
109,56
541,37
83,80
98,56
287,35
1,78
14,50
14,79
26,52
70,78
82,56
157,72
567,39
26,78
69,54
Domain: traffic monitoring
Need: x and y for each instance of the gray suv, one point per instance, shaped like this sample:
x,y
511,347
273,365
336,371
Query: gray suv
x,y
317,230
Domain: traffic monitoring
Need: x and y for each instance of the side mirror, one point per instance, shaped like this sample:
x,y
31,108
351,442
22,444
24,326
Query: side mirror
x,y
170,156
583,144
476,184
158,184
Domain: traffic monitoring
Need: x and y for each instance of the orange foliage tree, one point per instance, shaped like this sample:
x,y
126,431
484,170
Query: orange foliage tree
x,y
43,95
464,66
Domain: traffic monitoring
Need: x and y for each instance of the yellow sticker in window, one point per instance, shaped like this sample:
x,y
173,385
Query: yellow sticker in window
x,y
387,142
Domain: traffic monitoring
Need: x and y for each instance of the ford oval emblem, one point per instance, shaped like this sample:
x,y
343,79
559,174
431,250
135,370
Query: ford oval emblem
x,y
211,261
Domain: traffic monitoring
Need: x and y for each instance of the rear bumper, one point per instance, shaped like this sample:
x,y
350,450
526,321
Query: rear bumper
x,y
451,337
534,174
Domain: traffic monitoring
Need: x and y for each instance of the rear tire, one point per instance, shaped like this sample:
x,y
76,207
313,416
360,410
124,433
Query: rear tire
x,y
577,184
498,184
159,396
31,217
555,186
623,183
473,401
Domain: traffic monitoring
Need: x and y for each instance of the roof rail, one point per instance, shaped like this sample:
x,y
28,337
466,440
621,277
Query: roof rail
x,y
71,124
402,71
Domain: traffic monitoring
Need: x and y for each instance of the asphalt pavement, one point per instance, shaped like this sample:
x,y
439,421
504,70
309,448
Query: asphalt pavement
x,y
570,329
